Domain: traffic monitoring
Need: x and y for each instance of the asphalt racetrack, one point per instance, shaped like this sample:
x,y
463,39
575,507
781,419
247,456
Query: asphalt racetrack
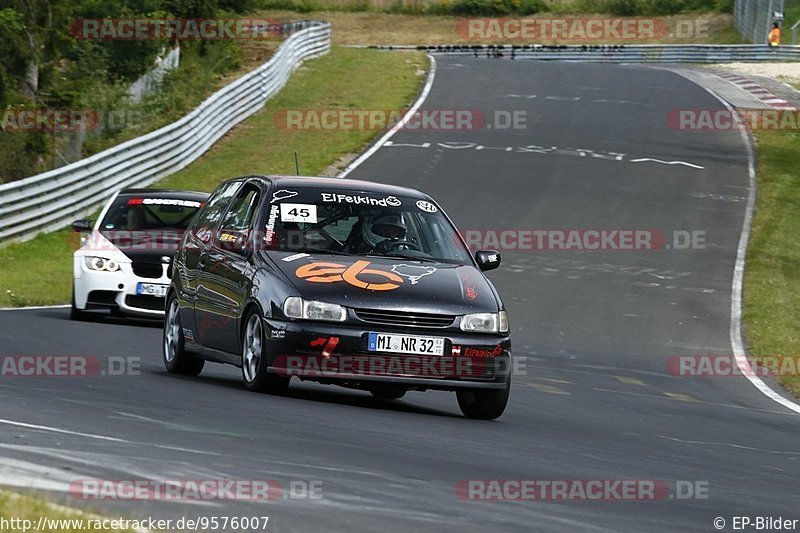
x,y
593,331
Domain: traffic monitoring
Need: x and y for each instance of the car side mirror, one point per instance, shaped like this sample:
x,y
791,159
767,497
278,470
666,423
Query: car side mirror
x,y
487,259
233,241
82,225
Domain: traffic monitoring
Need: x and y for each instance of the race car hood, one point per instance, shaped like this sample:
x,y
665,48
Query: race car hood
x,y
139,247
388,283
148,246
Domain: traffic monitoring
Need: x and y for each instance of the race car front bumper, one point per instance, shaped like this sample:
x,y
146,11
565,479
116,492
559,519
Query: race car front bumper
x,y
117,291
339,354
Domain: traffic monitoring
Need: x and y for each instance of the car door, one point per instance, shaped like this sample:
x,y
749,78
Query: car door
x,y
226,272
198,236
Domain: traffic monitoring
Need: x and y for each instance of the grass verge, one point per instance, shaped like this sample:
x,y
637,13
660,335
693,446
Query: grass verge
x,y
377,28
345,79
39,272
24,513
492,8
772,276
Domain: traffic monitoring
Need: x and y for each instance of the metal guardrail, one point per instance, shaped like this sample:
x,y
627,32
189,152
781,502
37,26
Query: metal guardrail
x,y
645,53
52,200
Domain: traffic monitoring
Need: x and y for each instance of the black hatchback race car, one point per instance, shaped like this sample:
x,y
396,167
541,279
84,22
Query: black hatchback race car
x,y
337,281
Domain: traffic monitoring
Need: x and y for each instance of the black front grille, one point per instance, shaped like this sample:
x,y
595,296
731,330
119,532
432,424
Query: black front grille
x,y
102,298
148,270
404,319
152,303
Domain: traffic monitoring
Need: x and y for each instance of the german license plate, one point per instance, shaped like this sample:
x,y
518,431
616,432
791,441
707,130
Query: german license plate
x,y
410,344
151,289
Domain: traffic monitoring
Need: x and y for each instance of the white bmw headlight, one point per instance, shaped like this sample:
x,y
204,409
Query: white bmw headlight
x,y
485,322
101,264
296,307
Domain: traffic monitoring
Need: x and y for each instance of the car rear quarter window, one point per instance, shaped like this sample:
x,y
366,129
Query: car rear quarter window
x,y
241,212
210,216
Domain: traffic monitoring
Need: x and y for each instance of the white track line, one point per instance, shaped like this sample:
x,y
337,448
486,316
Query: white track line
x,y
35,308
388,135
738,274
58,430
99,437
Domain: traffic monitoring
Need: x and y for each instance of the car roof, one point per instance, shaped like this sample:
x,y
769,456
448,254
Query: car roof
x,y
164,193
339,184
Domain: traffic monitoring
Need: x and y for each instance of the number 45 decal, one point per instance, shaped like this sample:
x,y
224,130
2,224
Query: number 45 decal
x,y
299,213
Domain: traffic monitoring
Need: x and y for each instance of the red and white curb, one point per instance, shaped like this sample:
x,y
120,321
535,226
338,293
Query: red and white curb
x,y
758,91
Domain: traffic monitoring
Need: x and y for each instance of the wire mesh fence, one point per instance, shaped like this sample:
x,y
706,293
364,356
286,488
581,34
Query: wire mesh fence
x,y
754,18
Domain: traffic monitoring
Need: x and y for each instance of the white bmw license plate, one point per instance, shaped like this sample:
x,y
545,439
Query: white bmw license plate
x,y
410,344
152,289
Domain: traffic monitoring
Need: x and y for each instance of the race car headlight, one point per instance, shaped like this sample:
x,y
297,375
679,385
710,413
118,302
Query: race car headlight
x,y
485,322
101,264
296,307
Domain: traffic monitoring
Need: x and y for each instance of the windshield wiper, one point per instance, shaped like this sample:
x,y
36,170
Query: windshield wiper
x,y
409,257
317,251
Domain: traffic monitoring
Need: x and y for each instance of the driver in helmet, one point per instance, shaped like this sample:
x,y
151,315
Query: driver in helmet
x,y
378,235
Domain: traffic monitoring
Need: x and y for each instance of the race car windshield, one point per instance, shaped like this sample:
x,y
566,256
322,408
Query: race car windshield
x,y
361,223
149,214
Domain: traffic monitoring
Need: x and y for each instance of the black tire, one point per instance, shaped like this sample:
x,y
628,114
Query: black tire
x,y
176,359
75,313
255,358
388,393
481,404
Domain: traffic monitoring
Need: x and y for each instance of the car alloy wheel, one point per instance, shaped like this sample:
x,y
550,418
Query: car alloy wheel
x,y
255,360
253,346
176,359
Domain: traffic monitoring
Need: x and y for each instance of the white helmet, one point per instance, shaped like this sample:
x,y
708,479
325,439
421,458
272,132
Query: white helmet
x,y
382,228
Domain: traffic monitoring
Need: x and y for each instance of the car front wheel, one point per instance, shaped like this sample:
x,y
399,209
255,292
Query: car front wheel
x,y
176,359
255,359
484,404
